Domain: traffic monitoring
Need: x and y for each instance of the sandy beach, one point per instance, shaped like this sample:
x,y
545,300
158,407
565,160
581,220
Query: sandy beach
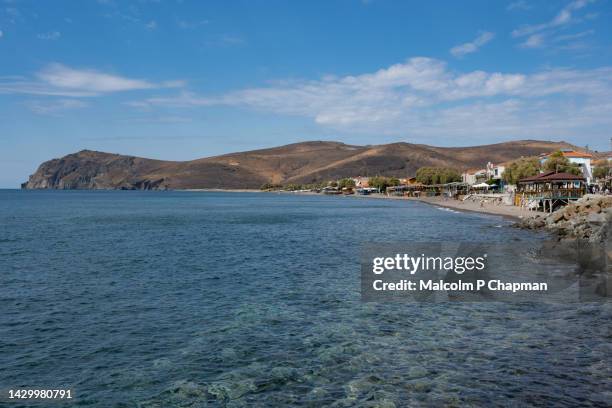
x,y
222,190
471,206
486,208
459,205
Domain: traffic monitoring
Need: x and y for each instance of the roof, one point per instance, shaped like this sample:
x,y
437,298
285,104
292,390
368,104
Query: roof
x,y
552,176
577,154
571,153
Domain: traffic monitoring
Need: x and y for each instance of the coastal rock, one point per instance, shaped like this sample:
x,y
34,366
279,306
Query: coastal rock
x,y
597,218
558,216
589,218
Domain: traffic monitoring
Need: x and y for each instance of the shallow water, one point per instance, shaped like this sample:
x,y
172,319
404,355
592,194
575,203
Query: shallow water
x,y
158,299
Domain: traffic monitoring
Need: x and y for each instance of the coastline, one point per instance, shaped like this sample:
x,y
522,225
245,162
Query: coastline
x,y
507,211
221,190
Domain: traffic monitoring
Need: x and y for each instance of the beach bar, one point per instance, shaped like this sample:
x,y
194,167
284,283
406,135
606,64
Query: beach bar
x,y
549,190
452,190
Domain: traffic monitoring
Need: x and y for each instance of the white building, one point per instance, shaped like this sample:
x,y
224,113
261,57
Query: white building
x,y
491,171
495,171
579,158
361,182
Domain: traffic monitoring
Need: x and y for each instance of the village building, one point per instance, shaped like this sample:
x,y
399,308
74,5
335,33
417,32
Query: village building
x,y
409,181
495,172
479,176
580,158
361,182
549,190
474,176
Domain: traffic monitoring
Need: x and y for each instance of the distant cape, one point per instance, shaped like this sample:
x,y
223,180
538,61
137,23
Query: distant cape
x,y
298,163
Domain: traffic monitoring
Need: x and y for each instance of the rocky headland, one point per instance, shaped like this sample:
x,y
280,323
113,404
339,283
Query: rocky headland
x,y
298,163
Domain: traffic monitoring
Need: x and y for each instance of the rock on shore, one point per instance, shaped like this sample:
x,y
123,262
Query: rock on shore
x,y
589,218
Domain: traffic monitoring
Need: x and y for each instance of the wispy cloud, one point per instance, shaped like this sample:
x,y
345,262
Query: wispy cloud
x,y
575,36
422,96
470,47
127,12
13,15
546,34
533,41
190,25
55,106
49,36
563,17
1,34
518,5
564,41
225,40
89,80
61,80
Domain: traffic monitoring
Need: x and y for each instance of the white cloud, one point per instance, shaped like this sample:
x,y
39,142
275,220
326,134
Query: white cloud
x,y
151,25
191,25
55,106
562,18
423,97
518,5
534,41
60,80
575,36
563,42
61,76
225,40
547,34
49,36
470,47
1,34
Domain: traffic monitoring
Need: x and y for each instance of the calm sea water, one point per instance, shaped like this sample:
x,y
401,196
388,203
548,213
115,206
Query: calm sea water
x,y
164,299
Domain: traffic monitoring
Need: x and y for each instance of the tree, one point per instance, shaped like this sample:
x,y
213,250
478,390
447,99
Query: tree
x,y
316,186
270,186
558,163
603,168
492,182
521,168
393,181
381,183
346,182
437,175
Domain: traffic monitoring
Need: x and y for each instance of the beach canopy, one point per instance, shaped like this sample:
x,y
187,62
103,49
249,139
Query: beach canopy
x,y
481,185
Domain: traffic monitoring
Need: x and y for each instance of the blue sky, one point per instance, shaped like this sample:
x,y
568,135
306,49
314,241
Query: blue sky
x,y
185,79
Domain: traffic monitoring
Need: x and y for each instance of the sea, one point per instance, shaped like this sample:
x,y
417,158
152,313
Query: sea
x,y
213,299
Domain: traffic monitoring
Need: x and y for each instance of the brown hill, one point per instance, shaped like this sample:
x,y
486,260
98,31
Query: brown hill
x,y
295,163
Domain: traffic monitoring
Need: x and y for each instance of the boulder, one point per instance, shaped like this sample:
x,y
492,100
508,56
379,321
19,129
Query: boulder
x,y
597,218
556,216
588,218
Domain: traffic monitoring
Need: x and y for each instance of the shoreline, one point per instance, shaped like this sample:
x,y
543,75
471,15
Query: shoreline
x,y
220,190
506,211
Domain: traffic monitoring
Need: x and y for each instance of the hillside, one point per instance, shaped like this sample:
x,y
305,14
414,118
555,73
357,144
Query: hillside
x,y
305,162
